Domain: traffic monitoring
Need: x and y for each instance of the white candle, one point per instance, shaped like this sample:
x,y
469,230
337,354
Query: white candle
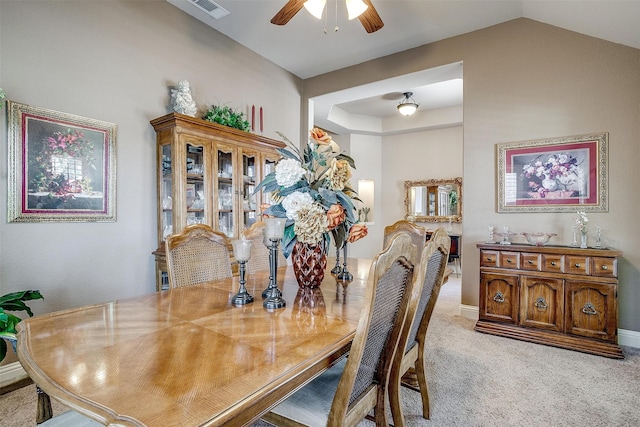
x,y
242,249
274,227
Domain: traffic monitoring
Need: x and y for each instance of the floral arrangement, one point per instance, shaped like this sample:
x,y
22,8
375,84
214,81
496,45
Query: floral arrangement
x,y
71,143
581,222
312,190
559,172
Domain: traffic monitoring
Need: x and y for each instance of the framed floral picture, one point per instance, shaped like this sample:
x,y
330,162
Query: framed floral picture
x,y
554,175
62,167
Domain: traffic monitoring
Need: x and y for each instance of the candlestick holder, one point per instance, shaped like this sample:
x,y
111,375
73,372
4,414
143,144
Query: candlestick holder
x,y
274,231
344,275
242,253
492,230
337,269
270,287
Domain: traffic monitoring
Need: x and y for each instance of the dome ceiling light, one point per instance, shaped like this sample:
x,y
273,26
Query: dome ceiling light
x,y
408,105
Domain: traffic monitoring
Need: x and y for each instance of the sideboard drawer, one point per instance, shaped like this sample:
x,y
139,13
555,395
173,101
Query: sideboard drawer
x,y
577,264
553,263
605,267
489,258
531,262
509,260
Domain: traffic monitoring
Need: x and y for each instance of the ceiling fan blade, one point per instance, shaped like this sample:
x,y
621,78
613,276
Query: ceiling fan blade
x,y
287,12
370,19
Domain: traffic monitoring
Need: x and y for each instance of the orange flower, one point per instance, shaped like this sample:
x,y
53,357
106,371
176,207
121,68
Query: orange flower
x,y
264,207
321,137
335,215
357,232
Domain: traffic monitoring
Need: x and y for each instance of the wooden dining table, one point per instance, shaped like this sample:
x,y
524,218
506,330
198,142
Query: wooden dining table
x,y
188,356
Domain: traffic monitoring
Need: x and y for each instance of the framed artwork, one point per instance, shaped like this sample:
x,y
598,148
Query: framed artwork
x,y
62,167
555,175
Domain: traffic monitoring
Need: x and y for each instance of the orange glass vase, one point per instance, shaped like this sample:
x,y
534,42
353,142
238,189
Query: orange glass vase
x,y
309,264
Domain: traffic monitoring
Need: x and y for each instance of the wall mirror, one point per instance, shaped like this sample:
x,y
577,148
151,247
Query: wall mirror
x,y
434,200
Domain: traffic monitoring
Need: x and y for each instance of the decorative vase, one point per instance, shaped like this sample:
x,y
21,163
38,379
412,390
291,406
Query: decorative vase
x,y
583,241
309,264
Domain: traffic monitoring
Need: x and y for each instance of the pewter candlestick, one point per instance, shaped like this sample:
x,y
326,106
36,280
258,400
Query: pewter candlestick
x,y
344,274
274,231
242,253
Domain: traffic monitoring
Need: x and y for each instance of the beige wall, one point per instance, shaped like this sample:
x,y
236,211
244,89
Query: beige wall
x,y
114,61
526,80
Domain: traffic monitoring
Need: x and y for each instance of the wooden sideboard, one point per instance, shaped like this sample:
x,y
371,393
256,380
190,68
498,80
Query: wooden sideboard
x,y
555,295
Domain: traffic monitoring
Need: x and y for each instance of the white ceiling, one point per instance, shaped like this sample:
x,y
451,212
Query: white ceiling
x,y
303,48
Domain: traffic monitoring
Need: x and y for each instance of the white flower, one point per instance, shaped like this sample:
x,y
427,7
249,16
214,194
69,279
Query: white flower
x,y
296,201
288,172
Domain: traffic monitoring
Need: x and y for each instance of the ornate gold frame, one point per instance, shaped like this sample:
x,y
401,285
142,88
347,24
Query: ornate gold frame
x,y
429,183
89,199
581,184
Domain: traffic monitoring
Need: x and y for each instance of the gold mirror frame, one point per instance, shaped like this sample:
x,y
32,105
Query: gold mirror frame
x,y
431,183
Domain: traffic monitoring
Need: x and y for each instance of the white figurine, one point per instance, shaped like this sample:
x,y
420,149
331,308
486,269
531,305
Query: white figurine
x,y
181,100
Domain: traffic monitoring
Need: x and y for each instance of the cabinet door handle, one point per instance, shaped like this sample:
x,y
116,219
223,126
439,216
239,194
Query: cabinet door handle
x,y
541,303
509,260
553,263
530,262
498,297
589,309
605,267
577,265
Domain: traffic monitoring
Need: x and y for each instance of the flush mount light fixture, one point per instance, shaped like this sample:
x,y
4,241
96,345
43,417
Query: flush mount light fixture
x,y
355,8
408,105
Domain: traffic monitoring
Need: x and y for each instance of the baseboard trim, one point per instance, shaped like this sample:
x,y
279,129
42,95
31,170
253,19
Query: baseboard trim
x,y
12,373
629,338
470,311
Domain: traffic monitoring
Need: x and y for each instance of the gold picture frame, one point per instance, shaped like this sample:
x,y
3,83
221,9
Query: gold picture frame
x,y
565,174
62,167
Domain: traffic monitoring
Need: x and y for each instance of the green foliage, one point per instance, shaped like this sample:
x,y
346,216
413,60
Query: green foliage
x,y
226,116
13,302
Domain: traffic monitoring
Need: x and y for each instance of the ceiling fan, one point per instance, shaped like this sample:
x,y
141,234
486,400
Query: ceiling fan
x,y
369,19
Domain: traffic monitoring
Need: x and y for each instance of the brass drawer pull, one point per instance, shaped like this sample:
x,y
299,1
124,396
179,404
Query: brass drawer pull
x,y
605,267
530,262
541,304
489,259
577,265
498,297
553,263
509,260
589,309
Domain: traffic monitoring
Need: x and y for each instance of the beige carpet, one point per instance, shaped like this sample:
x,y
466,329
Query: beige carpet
x,y
482,380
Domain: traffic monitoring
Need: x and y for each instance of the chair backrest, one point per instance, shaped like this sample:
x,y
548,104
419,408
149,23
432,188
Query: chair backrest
x,y
428,276
363,382
259,260
417,233
197,254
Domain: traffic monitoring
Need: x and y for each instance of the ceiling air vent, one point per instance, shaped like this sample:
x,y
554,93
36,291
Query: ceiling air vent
x,y
211,8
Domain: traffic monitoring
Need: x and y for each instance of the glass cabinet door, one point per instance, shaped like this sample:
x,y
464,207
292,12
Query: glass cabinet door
x,y
268,166
195,186
249,168
166,188
226,191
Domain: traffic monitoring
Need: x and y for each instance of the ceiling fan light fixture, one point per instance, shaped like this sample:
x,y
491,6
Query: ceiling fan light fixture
x,y
408,105
355,8
315,7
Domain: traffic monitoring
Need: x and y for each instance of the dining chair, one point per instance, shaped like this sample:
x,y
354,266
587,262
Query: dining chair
x,y
197,254
418,235
345,393
259,260
428,277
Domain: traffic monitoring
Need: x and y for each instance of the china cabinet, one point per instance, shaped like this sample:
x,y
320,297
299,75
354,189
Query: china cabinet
x,y
207,174
554,295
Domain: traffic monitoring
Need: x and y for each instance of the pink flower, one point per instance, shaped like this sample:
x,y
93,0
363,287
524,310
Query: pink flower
x,y
335,215
357,232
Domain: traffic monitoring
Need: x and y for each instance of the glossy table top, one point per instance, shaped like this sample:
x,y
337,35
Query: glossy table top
x,y
187,356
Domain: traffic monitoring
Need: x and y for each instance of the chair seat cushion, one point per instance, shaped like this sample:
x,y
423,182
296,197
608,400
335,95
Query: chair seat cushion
x,y
70,419
312,403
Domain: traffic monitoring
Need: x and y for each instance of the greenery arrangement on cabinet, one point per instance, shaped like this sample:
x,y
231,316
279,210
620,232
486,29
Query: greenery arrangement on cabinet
x,y
13,302
227,116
